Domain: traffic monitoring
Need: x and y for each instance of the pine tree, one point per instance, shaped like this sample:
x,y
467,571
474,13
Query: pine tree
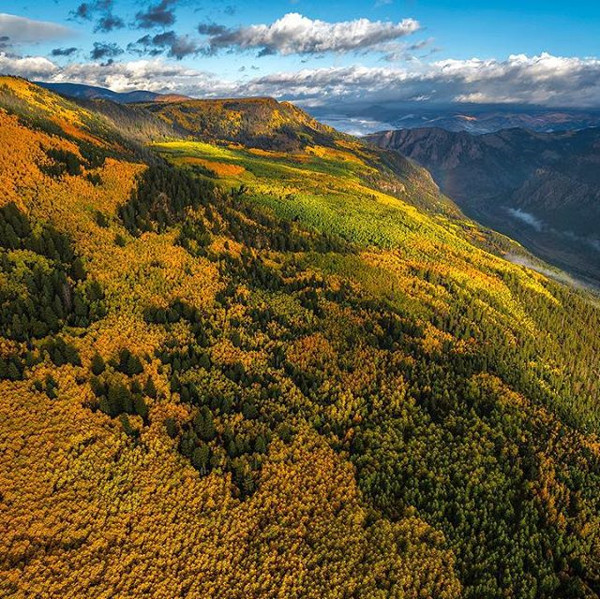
x,y
260,445
98,365
171,426
119,400
50,318
141,408
188,443
51,387
101,219
98,387
10,240
232,450
134,366
57,356
201,457
12,372
71,354
17,330
127,428
124,356
204,425
150,388
78,270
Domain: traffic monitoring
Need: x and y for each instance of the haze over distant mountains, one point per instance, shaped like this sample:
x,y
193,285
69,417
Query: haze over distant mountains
x,y
541,188
361,119
473,118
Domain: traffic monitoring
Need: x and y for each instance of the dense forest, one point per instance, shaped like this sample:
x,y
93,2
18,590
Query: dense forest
x,y
234,372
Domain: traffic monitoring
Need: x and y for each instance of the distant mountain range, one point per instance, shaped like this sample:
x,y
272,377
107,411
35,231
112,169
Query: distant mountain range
x,y
243,354
90,92
476,119
363,120
541,188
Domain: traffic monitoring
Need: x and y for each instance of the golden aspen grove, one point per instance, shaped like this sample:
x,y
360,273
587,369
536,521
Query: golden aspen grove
x,y
243,355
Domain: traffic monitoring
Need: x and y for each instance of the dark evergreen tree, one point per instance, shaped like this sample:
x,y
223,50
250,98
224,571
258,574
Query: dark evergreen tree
x,y
98,365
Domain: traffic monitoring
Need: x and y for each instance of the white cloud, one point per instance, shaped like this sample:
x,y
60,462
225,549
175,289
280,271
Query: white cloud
x,y
32,67
527,218
23,30
152,74
543,80
296,34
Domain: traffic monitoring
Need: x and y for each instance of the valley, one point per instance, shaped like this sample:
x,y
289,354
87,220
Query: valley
x,y
245,355
539,188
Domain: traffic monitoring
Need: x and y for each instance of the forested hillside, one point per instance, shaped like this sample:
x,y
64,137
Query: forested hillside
x,y
540,188
255,122
230,369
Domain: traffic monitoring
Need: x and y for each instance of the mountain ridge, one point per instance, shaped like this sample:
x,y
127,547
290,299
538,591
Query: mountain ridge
x,y
473,118
227,370
547,181
91,92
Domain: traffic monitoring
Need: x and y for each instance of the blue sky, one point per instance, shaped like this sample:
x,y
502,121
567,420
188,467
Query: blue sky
x,y
327,51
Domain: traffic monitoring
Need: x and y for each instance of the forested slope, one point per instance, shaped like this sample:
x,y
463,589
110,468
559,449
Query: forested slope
x,y
543,189
234,372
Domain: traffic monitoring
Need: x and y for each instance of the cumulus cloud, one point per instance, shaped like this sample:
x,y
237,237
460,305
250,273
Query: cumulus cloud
x,y
32,67
296,34
543,80
23,30
156,15
155,75
174,45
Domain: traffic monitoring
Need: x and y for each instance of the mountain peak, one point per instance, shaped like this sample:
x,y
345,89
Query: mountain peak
x,y
91,92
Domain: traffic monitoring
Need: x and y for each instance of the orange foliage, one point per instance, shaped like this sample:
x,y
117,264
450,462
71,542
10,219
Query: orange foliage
x,y
112,519
222,169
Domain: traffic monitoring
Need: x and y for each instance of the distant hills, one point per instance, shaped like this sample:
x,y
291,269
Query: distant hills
x,y
473,118
541,188
235,369
257,122
363,119
91,92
